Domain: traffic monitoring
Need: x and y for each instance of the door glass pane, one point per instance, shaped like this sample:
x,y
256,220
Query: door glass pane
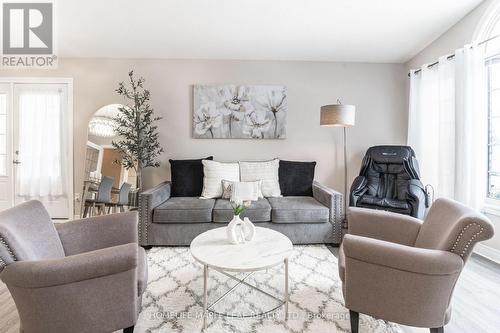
x,y
3,103
3,144
3,165
41,149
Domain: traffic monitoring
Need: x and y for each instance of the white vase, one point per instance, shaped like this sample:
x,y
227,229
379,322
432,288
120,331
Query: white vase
x,y
235,231
248,229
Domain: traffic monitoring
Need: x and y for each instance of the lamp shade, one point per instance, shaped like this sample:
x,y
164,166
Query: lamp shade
x,y
338,115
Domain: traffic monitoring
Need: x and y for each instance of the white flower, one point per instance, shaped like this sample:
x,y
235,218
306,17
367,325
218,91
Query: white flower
x,y
256,123
207,118
235,98
274,102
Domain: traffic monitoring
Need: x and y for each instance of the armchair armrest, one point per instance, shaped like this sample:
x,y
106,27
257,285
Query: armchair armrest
x,y
387,226
333,200
80,267
401,257
148,201
98,232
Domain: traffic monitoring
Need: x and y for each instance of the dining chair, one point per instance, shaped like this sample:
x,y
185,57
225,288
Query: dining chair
x,y
123,199
102,198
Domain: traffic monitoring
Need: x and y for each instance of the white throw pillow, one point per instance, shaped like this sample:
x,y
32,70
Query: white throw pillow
x,y
266,171
253,193
214,173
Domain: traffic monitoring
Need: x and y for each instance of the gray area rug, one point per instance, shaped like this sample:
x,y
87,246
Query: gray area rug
x,y
172,301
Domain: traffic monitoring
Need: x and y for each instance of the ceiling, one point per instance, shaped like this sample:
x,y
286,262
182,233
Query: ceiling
x,y
314,30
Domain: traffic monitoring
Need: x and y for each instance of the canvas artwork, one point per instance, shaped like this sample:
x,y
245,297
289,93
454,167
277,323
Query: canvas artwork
x,y
239,112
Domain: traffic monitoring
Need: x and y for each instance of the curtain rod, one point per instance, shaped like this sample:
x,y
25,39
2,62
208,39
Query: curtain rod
x,y
451,56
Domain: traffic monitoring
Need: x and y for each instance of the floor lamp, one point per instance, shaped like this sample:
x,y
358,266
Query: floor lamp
x,y
340,115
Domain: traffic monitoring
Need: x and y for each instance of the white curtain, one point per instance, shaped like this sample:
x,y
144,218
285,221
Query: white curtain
x,y
43,163
448,125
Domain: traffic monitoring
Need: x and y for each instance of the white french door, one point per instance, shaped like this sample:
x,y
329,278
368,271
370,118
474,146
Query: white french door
x,y
38,145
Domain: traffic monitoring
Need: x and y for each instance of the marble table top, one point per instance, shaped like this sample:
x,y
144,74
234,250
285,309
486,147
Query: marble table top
x,y
267,249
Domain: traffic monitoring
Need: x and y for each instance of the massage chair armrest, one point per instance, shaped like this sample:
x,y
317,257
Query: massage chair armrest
x,y
417,198
358,188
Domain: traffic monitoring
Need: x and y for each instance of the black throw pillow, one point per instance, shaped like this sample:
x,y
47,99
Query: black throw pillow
x,y
296,178
187,177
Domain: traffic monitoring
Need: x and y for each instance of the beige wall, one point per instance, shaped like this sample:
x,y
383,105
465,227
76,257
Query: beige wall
x,y
377,90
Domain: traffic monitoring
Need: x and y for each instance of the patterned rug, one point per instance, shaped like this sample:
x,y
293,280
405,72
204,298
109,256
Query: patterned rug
x,y
172,301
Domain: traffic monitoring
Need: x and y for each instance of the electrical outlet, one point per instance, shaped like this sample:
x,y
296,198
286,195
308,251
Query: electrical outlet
x,y
77,197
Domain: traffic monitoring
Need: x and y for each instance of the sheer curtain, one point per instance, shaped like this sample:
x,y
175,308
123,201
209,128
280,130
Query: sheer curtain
x,y
43,164
448,125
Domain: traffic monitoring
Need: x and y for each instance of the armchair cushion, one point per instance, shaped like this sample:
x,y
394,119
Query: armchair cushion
x,y
98,232
387,226
401,257
79,267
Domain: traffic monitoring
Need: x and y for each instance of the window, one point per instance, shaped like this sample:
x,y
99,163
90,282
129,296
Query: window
x,y
493,67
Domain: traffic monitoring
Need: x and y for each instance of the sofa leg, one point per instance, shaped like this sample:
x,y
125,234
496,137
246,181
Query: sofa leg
x,y
354,316
129,329
147,247
437,330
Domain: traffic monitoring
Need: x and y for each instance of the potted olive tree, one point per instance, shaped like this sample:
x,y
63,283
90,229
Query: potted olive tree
x,y
136,129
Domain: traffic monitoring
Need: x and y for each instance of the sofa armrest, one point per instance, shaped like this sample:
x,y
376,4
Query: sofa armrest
x,y
379,224
401,257
79,267
333,200
98,232
148,201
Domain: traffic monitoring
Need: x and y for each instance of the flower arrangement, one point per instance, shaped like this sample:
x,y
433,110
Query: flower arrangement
x,y
240,207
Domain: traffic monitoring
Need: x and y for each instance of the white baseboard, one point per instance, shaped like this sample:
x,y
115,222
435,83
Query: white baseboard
x,y
488,252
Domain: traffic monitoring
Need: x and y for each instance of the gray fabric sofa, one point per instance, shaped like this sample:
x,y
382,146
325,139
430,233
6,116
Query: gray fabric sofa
x,y
166,220
79,276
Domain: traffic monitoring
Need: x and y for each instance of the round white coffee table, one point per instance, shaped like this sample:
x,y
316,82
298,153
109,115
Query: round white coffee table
x,y
269,248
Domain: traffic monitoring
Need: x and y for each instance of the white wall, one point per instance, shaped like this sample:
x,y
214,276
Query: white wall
x,y
377,90
456,37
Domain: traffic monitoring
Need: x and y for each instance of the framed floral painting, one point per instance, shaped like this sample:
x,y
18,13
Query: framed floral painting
x,y
239,112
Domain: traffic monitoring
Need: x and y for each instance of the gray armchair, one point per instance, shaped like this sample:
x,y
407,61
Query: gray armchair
x,y
398,268
81,276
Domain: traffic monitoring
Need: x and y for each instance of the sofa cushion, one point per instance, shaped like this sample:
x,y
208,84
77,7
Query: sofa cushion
x,y
184,210
298,210
296,178
267,171
214,173
187,177
259,211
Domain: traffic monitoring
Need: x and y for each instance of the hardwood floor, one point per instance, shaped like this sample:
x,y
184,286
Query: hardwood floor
x,y
476,302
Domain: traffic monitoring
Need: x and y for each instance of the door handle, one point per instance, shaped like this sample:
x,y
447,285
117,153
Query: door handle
x,y
16,162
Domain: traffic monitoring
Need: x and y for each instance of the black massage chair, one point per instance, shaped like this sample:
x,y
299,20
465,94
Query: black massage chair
x,y
389,180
